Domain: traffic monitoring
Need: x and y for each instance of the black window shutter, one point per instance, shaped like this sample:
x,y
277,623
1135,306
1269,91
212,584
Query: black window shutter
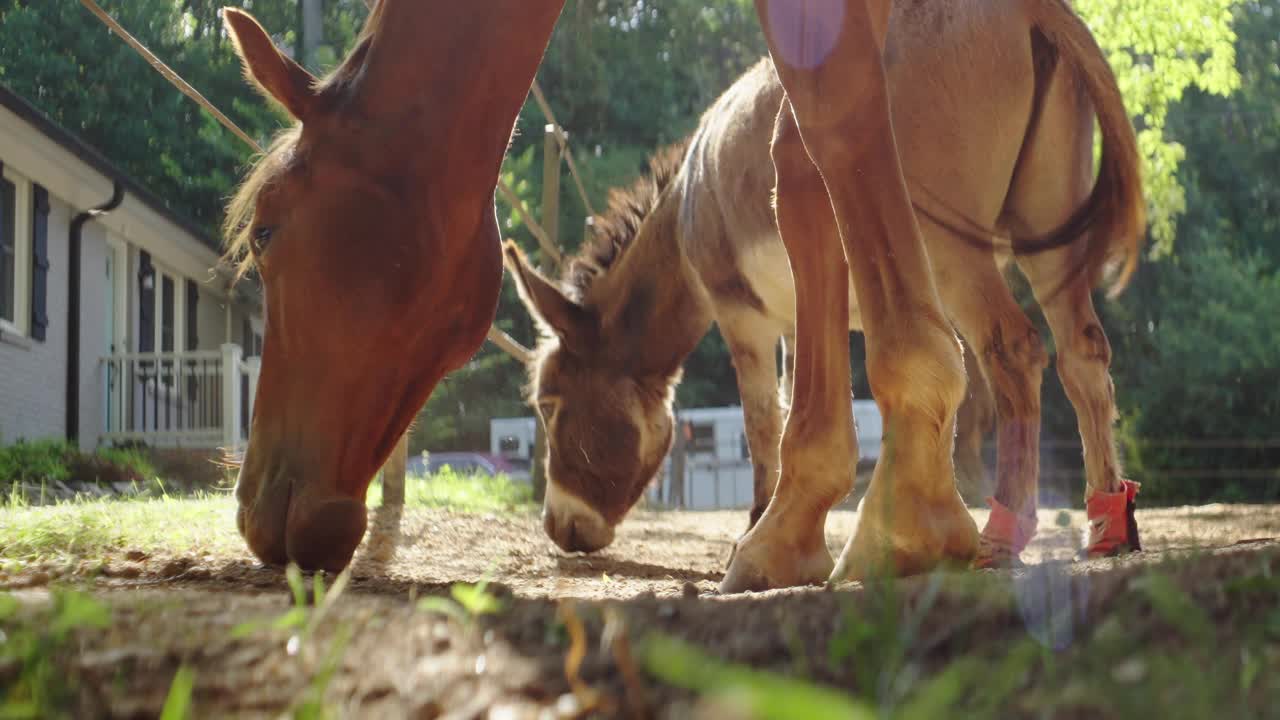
x,y
39,263
146,303
193,315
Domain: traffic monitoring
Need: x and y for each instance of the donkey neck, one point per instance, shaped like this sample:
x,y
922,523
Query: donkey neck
x,y
651,306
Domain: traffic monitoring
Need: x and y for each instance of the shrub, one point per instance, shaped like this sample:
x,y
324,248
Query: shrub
x,y
48,461
37,462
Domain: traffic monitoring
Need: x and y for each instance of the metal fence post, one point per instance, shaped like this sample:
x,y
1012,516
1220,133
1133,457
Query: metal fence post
x,y
231,431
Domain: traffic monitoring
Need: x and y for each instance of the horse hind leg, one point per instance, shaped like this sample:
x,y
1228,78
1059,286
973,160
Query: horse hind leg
x,y
751,340
974,421
1012,357
1049,185
1084,361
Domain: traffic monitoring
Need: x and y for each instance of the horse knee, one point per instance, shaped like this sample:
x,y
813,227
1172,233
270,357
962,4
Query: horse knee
x,y
791,160
1016,358
924,378
1084,359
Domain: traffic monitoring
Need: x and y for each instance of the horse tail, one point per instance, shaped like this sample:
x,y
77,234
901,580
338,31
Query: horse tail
x,y
1114,214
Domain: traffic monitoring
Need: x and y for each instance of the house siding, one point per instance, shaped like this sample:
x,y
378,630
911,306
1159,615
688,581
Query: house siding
x,y
33,375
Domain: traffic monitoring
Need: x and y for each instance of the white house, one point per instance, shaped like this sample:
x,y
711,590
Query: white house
x,y
114,325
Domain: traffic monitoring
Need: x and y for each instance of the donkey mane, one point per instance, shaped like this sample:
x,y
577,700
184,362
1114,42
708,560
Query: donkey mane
x,y
613,231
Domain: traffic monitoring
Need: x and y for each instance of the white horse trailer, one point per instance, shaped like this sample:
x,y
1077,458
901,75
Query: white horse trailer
x,y
718,469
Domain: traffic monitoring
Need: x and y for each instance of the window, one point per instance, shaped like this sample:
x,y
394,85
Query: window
x,y
161,313
15,253
166,313
704,438
509,445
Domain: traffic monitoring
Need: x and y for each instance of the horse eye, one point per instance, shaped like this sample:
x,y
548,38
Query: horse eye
x,y
260,237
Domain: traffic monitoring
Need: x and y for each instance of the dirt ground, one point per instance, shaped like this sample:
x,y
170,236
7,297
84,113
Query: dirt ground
x,y
660,575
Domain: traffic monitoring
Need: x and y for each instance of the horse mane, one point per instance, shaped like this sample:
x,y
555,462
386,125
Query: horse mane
x,y
613,231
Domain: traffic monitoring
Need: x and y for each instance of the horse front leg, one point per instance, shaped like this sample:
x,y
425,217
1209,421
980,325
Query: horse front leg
x,y
828,59
788,544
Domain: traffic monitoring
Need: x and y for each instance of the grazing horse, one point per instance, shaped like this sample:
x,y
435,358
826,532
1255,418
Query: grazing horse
x,y
993,108
373,229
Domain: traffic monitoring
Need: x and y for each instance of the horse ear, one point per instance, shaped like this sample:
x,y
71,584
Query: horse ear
x,y
553,310
277,75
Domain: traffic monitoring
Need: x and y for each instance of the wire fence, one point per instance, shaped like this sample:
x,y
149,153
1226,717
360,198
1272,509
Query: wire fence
x,y
718,472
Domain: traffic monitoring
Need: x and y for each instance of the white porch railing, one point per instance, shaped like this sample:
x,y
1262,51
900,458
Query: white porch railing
x,y
201,399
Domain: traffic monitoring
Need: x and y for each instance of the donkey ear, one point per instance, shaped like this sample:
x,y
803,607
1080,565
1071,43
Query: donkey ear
x,y
568,320
278,76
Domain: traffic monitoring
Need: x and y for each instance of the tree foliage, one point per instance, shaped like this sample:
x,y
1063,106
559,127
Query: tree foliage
x,y
1158,50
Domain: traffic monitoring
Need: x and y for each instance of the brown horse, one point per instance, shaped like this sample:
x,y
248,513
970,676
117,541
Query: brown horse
x,y
373,228
995,112
376,208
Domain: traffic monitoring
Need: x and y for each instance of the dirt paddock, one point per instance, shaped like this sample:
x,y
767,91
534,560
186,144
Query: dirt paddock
x,y
389,658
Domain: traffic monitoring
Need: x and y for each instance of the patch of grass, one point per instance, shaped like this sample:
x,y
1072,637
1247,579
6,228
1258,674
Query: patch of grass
x,y
468,603
34,649
79,529
302,621
86,529
177,704
763,695
1181,639
476,493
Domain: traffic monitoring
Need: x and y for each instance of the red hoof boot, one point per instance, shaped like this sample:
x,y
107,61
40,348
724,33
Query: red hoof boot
x,y
1113,530
1004,538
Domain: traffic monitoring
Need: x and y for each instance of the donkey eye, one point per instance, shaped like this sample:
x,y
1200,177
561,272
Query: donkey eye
x,y
260,237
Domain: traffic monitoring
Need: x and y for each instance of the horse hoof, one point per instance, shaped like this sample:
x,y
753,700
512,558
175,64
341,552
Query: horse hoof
x,y
760,563
929,537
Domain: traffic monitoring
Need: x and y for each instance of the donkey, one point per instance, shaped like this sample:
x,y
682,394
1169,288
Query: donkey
x,y
993,110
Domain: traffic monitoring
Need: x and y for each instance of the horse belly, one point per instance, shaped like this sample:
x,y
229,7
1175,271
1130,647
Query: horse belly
x,y
765,267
